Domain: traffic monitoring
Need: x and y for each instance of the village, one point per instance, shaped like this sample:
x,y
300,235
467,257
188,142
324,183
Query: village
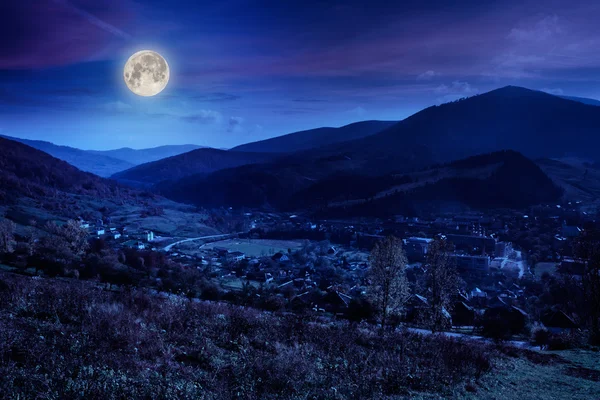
x,y
505,261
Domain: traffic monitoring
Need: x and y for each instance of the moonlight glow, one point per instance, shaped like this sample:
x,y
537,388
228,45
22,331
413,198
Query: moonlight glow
x,y
146,73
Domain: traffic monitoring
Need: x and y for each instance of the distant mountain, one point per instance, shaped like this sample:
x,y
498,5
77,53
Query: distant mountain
x,y
26,172
498,180
591,102
98,164
535,124
315,138
200,161
142,156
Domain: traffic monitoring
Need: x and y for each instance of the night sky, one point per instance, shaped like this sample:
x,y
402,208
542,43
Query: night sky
x,y
247,70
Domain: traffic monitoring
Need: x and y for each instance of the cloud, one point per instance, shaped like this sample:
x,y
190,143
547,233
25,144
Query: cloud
x,y
234,124
204,117
309,100
216,97
117,107
556,91
456,87
55,33
543,29
94,20
455,91
427,75
358,111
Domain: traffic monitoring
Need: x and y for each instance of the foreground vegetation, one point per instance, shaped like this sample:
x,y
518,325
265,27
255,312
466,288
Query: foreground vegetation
x,y
66,338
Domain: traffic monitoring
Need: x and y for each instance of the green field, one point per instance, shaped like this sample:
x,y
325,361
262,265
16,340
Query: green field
x,y
234,283
256,247
570,374
177,220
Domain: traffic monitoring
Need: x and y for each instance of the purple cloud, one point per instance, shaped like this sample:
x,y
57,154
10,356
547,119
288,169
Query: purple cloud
x,y
57,32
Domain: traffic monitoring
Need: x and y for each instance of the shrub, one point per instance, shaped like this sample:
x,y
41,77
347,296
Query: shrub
x,y
564,341
540,336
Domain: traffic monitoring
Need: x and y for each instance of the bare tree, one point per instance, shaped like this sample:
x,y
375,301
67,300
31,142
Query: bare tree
x,y
7,236
442,283
587,248
389,286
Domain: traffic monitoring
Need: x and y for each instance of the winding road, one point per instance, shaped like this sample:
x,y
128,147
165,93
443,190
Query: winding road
x,y
223,236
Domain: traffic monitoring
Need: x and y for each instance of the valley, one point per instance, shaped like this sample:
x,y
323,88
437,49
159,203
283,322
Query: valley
x,y
261,236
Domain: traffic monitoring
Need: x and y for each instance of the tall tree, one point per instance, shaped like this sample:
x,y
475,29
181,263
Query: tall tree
x,y
442,283
587,249
389,286
7,236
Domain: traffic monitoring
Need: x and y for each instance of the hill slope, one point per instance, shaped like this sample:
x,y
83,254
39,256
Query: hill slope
x,y
99,164
584,100
200,161
142,156
534,123
315,138
26,172
503,179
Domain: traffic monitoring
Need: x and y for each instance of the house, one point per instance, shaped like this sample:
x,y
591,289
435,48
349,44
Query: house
x,y
288,283
149,235
100,232
335,301
221,251
496,301
514,318
416,248
478,293
237,255
558,322
571,266
332,251
484,244
280,257
463,314
570,231
471,264
84,225
503,249
268,277
116,235
133,244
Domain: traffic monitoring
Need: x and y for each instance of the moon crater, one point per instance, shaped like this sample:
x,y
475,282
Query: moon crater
x,y
146,73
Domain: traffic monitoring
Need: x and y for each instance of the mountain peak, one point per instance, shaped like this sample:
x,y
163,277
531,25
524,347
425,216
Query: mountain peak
x,y
511,91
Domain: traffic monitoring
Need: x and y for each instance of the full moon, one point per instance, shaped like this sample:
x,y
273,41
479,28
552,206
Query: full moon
x,y
146,73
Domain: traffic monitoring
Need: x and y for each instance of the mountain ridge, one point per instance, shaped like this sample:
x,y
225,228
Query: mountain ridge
x,y
314,138
98,164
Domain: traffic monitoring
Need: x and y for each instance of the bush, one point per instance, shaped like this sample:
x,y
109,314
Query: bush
x,y
564,341
540,336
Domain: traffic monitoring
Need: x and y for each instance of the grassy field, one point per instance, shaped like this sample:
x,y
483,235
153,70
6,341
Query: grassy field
x,y
571,374
234,283
255,247
177,220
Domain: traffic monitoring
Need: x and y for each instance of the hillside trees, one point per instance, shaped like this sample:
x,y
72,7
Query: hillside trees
x,y
442,283
588,248
63,246
389,286
7,236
